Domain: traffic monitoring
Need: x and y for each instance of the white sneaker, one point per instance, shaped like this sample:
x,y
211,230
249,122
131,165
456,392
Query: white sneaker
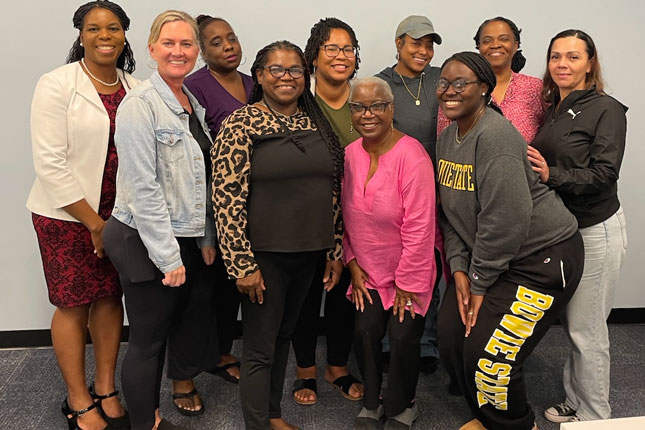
x,y
561,413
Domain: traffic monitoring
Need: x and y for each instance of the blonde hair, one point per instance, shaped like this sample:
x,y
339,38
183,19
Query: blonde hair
x,y
170,16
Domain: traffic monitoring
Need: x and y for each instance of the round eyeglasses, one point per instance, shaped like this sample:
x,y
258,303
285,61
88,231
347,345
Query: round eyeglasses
x,y
459,85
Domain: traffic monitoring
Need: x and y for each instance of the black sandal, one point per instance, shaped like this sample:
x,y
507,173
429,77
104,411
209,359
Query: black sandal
x,y
221,371
344,384
72,422
118,423
190,395
305,384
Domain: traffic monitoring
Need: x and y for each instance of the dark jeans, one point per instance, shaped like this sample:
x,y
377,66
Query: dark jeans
x,y
517,311
339,322
267,329
369,331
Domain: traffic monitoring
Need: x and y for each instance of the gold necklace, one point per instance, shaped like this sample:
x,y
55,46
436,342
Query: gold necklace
x,y
416,99
459,140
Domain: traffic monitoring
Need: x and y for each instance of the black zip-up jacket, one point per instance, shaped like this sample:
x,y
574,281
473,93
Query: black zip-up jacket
x,y
583,141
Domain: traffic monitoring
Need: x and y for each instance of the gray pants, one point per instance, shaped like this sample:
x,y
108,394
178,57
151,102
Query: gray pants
x,y
586,371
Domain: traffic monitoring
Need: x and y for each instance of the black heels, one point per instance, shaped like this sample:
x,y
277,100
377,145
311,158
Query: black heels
x,y
72,416
118,423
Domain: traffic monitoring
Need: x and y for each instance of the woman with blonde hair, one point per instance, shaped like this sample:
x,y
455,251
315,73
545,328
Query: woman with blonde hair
x,y
158,215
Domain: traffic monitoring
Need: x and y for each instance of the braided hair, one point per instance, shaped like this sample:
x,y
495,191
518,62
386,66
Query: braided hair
x,y
77,52
306,102
482,69
320,34
518,61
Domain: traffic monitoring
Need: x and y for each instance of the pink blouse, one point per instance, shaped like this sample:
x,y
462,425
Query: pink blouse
x,y
390,223
522,106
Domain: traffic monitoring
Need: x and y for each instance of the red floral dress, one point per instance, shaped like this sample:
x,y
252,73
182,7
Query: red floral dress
x,y
74,274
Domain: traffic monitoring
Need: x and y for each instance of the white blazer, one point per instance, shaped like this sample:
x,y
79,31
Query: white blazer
x,y
69,137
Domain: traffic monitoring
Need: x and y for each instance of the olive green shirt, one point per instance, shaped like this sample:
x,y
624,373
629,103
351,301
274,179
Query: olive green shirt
x,y
340,120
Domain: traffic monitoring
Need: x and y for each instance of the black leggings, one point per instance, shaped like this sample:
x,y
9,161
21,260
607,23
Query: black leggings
x,y
338,321
369,330
267,329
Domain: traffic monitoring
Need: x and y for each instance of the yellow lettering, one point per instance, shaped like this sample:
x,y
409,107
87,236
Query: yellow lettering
x,y
503,380
527,311
471,186
506,338
495,346
518,326
494,369
533,298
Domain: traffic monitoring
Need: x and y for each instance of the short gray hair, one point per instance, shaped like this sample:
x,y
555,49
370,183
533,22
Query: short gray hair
x,y
372,80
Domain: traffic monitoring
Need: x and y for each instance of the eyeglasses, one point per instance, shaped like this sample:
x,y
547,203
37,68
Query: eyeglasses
x,y
278,71
459,85
375,108
332,51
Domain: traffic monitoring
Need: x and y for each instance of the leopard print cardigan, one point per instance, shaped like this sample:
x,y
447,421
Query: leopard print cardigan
x,y
231,158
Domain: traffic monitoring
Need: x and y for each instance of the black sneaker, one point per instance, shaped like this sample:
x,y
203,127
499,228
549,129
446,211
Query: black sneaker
x,y
560,413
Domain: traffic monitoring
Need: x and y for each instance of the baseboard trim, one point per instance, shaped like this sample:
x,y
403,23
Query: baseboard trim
x,y
42,338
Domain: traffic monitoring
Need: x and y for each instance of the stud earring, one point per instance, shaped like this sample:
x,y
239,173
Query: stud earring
x,y
81,43
483,94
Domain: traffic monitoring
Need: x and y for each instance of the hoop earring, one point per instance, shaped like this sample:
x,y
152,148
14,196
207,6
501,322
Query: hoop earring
x,y
397,56
392,125
243,62
152,64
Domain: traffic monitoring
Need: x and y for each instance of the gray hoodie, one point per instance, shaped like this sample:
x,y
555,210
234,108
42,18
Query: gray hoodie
x,y
494,209
419,121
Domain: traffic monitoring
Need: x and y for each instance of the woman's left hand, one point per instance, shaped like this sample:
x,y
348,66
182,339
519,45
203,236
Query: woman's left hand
x,y
333,269
403,299
473,310
539,163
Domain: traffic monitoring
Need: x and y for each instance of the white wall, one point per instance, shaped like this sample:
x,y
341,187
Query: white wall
x,y
38,34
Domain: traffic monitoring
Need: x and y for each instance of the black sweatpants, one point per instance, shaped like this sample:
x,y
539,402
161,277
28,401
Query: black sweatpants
x,y
369,331
338,321
517,311
267,330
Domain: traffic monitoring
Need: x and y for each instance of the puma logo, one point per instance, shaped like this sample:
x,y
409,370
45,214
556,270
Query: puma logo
x,y
573,114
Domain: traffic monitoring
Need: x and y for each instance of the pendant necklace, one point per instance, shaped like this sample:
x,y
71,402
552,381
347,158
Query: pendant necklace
x,y
416,99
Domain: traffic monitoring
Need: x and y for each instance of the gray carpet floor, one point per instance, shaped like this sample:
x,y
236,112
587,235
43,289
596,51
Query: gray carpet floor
x,y
31,390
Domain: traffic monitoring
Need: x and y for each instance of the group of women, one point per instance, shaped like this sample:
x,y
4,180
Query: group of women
x,y
229,191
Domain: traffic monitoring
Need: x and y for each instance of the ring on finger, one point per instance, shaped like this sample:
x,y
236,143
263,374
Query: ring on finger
x,y
408,303
471,313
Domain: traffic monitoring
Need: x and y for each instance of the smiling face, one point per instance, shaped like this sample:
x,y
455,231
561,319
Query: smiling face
x,y
102,36
175,51
569,64
336,69
414,54
462,106
498,45
281,93
222,50
372,127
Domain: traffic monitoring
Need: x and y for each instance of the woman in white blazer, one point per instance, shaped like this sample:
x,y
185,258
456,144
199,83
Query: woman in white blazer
x,y
72,128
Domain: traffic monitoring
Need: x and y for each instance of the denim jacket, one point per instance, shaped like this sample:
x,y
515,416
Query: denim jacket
x,y
161,184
